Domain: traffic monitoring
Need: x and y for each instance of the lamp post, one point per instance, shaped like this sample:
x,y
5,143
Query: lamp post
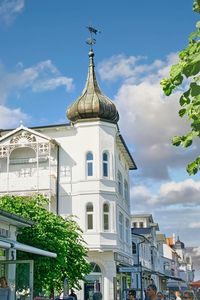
x,y
139,263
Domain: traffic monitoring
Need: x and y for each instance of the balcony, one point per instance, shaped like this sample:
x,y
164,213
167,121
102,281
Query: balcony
x,y
25,186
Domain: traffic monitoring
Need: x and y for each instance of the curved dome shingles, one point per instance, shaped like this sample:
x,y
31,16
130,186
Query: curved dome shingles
x,y
92,103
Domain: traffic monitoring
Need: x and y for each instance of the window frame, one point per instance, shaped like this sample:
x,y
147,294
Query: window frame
x,y
126,191
89,164
127,230
105,163
106,213
89,213
121,226
134,247
120,183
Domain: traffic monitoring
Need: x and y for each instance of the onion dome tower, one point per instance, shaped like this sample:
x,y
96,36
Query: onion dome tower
x,y
179,244
92,104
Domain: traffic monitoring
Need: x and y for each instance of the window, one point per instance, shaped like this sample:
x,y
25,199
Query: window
x,y
134,248
126,194
89,158
141,225
121,226
134,224
89,212
106,216
127,231
105,164
95,268
120,186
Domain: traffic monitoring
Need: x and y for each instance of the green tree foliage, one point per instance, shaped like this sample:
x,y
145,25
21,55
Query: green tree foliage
x,y
187,73
50,232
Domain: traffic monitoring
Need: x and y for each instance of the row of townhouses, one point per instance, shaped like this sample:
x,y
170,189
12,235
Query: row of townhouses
x,y
83,168
158,259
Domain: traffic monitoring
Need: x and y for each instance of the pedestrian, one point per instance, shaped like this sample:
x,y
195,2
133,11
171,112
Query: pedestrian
x,y
160,296
4,289
151,292
72,294
97,296
132,294
178,295
188,295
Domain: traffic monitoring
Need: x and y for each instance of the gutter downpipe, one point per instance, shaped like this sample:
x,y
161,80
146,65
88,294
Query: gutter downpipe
x,y
58,179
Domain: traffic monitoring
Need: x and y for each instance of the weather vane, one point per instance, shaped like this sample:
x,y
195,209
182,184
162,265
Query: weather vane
x,y
91,41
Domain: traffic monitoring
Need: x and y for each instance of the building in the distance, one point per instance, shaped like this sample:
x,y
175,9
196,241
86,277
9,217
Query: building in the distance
x,y
83,168
157,259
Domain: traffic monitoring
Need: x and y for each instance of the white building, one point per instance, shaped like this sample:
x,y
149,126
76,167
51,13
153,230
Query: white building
x,y
83,167
145,250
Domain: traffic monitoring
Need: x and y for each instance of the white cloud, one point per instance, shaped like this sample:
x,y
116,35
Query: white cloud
x,y
194,225
52,84
11,117
118,66
10,9
148,119
169,195
42,77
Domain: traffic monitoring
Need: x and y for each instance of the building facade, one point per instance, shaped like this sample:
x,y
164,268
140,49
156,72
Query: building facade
x,y
159,260
83,168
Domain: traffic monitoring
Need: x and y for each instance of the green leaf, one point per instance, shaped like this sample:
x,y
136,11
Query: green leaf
x,y
184,100
176,71
187,142
196,6
192,168
182,112
176,141
195,89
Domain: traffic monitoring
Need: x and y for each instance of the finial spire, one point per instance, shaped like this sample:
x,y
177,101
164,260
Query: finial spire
x,y
91,41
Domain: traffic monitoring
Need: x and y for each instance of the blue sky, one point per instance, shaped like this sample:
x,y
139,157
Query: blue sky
x,y
43,67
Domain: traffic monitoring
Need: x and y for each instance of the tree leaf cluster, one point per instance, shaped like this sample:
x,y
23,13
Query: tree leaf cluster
x,y
52,233
187,73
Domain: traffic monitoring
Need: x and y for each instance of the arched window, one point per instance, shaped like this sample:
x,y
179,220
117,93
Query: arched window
x,y
120,183
134,248
95,268
126,193
106,216
105,164
89,163
121,226
89,213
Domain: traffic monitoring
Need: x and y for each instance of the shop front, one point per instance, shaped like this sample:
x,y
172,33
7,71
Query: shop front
x,y
123,278
19,273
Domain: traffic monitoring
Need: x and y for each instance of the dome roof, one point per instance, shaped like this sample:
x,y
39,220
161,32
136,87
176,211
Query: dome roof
x,y
179,244
92,104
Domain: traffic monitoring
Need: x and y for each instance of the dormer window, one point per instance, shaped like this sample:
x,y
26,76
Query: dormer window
x,y
105,164
89,164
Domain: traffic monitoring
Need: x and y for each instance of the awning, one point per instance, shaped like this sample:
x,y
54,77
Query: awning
x,y
7,244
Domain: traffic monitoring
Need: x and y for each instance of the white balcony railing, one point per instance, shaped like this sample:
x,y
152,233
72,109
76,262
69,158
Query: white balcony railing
x,y
45,184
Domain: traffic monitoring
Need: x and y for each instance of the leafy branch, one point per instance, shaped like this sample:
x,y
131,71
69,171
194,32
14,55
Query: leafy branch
x,y
188,68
